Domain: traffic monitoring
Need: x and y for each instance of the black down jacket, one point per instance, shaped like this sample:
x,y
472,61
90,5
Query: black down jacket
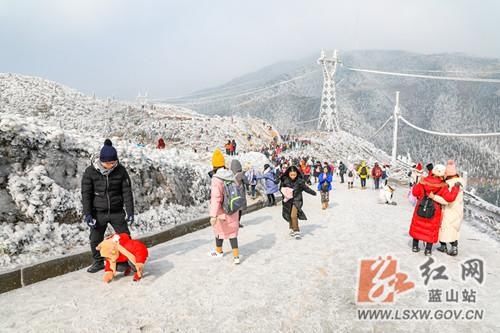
x,y
107,194
298,186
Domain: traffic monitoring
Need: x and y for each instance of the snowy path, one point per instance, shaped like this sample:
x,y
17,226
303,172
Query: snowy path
x,y
282,284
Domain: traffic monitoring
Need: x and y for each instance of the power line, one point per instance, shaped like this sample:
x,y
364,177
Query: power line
x,y
455,72
306,121
448,134
211,99
381,127
420,76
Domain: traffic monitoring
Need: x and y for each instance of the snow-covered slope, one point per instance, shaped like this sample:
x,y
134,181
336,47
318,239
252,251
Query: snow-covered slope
x,y
48,136
282,285
287,93
49,133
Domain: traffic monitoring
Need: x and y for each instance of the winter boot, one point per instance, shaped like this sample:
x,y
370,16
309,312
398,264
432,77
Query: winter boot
x,y
442,248
236,256
215,254
96,266
415,247
453,251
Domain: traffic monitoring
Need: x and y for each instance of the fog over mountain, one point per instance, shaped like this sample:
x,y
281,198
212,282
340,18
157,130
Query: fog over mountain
x,y
289,92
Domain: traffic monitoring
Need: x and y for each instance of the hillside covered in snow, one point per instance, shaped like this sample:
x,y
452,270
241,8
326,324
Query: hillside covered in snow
x,y
288,94
50,133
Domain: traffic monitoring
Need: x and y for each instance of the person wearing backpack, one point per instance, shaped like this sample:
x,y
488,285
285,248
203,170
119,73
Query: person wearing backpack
x,y
350,176
376,175
453,212
270,183
292,186
426,219
363,173
241,181
225,224
342,171
325,186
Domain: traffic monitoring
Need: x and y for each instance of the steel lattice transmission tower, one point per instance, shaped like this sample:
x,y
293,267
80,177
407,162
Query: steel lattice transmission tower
x,y
328,111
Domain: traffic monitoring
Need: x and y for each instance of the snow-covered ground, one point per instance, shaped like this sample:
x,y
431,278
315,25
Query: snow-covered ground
x,y
49,132
48,135
282,284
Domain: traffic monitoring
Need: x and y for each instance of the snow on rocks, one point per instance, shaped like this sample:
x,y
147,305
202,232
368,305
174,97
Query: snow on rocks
x,y
50,133
254,159
40,198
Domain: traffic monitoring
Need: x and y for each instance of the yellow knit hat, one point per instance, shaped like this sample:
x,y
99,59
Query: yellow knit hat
x,y
218,159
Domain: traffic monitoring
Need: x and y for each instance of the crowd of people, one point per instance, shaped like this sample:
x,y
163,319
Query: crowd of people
x,y
436,193
275,149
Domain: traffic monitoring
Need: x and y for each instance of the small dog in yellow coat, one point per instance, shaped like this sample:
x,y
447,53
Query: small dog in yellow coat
x,y
122,253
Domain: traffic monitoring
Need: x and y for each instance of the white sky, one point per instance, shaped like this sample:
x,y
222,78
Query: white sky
x,y
120,47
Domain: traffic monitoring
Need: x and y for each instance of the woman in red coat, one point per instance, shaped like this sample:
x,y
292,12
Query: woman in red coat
x,y
427,229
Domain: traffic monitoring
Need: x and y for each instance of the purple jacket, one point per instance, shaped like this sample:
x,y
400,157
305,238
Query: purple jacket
x,y
269,184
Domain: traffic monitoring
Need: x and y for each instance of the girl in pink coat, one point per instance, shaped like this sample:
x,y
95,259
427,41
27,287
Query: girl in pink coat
x,y
225,226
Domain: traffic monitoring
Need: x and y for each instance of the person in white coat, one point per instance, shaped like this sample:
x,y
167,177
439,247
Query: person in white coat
x,y
386,195
351,173
453,212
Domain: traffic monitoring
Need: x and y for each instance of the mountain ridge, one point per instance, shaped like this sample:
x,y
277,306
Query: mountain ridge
x,y
366,100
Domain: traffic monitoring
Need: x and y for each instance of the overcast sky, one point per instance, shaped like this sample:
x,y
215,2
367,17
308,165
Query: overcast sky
x,y
169,48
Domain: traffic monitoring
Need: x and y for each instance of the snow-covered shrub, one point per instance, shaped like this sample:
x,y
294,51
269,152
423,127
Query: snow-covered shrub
x,y
40,198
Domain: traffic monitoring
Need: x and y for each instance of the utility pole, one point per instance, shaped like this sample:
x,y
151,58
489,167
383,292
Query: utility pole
x,y
395,132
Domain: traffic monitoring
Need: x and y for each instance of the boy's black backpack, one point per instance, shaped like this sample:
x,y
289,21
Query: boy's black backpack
x,y
350,174
426,208
363,171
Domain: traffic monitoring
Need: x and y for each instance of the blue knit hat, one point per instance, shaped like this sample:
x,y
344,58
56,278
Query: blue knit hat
x,y
108,152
